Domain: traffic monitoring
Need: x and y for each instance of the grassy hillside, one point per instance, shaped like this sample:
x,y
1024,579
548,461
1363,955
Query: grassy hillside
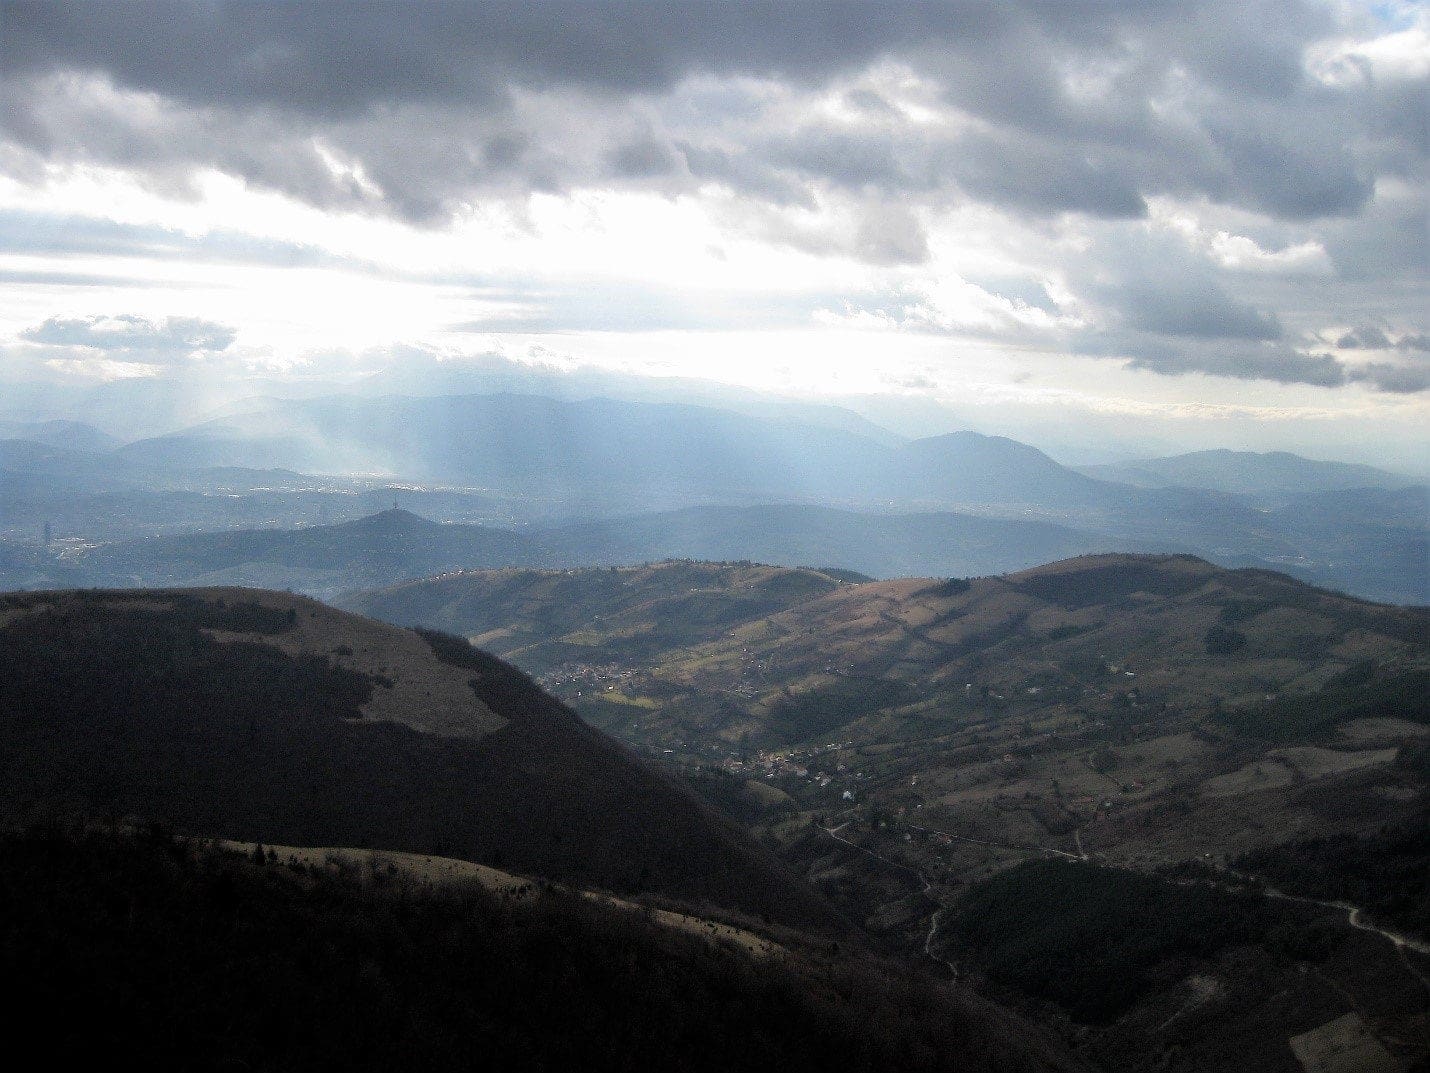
x,y
736,649
270,717
548,617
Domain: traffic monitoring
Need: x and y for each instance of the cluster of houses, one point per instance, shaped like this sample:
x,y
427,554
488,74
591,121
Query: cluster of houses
x,y
796,763
589,676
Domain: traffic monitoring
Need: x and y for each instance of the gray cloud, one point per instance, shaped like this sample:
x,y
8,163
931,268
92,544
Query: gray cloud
x,y
1040,108
643,158
1368,338
1148,282
1273,361
1199,308
1400,379
130,338
1085,106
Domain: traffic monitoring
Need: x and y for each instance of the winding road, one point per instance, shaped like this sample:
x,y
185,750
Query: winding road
x,y
1355,915
927,892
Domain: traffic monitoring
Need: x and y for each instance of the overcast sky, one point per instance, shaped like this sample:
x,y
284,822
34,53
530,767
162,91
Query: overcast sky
x,y
1204,219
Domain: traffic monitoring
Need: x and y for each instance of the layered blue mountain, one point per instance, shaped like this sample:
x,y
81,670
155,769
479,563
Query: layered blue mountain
x,y
619,480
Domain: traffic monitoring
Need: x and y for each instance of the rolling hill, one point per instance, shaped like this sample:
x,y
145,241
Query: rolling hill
x,y
1267,475
548,617
376,549
396,545
704,627
1069,752
1379,553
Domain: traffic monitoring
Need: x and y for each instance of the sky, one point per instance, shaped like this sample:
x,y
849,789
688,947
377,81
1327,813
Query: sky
x,y
1105,226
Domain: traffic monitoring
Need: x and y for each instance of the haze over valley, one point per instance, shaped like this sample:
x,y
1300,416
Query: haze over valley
x,y
533,480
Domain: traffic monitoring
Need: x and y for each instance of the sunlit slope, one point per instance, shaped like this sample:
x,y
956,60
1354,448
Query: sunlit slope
x,y
1176,631
547,617
269,717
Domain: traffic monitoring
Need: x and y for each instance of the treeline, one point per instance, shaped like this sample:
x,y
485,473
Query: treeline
x,y
115,674
498,684
1386,873
1105,584
182,958
815,712
1089,938
1305,717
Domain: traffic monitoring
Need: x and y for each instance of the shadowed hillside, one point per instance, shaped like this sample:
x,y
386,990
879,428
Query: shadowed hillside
x,y
379,548
181,957
270,717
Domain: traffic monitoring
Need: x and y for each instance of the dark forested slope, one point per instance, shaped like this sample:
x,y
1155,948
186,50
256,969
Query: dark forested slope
x,y
184,958
270,717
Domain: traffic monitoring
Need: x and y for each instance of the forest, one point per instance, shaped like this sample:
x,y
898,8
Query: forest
x,y
1387,873
1088,937
180,956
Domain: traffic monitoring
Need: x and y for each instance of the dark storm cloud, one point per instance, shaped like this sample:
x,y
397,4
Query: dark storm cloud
x,y
1043,178
643,158
127,337
1083,106
1273,360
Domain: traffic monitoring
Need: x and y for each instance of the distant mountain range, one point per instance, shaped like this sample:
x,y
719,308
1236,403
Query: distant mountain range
x,y
607,456
607,481
388,545
70,435
395,545
1271,475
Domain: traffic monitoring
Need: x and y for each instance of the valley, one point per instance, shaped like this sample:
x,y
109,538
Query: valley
x,y
820,536
1070,740
910,745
